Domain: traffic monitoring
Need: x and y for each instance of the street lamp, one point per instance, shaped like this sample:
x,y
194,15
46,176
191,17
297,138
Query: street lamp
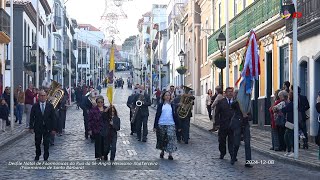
x,y
221,40
33,50
181,56
220,62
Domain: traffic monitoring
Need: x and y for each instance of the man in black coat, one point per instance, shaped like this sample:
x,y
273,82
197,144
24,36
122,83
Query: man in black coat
x,y
303,107
223,115
142,114
130,105
42,123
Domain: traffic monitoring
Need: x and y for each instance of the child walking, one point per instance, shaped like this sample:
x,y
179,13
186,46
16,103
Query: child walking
x,y
4,114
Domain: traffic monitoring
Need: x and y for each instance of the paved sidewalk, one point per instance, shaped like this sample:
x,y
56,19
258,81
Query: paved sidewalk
x,y
261,142
18,131
11,135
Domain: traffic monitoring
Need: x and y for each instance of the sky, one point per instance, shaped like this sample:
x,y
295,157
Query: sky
x,y
90,12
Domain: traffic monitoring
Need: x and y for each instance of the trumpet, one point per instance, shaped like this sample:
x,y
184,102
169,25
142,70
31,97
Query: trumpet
x,y
139,103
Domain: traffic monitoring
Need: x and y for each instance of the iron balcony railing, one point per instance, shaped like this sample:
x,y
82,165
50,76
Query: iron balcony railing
x,y
4,22
309,10
255,14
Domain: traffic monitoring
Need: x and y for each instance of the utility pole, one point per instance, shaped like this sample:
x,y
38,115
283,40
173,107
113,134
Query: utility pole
x,y
295,84
152,55
193,59
37,45
69,73
227,43
11,66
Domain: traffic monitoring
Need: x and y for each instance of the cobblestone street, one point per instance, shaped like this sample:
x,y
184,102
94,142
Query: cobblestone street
x,y
197,160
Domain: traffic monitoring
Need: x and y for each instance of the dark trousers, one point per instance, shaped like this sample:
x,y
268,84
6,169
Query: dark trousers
x,y
185,129
288,136
98,145
63,115
281,131
111,145
45,135
132,125
85,118
223,135
142,121
275,139
303,128
209,111
245,130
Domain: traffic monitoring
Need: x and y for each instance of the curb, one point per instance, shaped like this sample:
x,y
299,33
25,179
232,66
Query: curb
x,y
274,155
13,138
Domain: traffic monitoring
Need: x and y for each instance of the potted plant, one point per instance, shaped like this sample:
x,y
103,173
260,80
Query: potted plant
x,y
219,62
181,70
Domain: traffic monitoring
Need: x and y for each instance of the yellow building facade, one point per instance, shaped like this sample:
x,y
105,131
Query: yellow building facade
x,y
263,16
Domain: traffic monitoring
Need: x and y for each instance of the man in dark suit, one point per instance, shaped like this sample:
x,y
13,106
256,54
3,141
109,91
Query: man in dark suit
x,y
142,114
42,123
223,115
130,105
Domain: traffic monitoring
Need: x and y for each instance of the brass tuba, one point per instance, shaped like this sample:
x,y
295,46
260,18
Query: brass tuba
x,y
186,103
55,93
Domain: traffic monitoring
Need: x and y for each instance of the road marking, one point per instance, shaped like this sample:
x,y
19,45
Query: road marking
x,y
131,152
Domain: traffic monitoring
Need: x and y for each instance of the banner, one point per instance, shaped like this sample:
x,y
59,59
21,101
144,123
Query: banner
x,y
111,75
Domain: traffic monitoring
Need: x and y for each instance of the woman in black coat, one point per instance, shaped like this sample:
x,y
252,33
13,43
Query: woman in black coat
x,y
166,124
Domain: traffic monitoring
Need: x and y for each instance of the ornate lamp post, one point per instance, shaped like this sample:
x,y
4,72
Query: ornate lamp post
x,y
220,62
182,70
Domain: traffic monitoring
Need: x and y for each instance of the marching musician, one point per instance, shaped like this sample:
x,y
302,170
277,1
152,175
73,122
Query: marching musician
x,y
88,102
111,124
142,114
185,122
130,105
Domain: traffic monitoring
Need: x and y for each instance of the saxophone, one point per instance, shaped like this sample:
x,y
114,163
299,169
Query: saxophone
x,y
135,110
55,94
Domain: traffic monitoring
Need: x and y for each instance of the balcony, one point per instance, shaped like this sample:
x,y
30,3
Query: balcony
x,y
255,14
4,27
310,20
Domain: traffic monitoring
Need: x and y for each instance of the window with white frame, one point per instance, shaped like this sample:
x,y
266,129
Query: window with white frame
x,y
284,64
219,14
235,7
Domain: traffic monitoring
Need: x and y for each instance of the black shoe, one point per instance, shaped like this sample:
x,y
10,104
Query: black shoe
x,y
161,155
232,161
221,157
139,139
86,136
16,120
186,142
36,158
105,158
51,144
131,133
272,148
248,166
144,140
277,149
305,146
45,159
170,157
